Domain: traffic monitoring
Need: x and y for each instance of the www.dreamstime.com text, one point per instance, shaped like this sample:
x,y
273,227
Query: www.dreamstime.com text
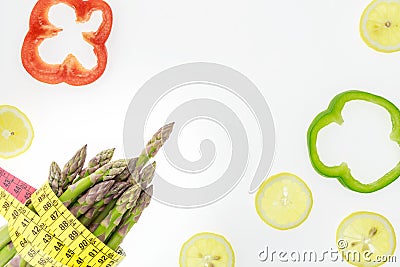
x,y
270,255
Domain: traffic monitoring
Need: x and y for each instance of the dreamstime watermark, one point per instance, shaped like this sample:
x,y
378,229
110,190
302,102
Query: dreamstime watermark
x,y
339,254
203,108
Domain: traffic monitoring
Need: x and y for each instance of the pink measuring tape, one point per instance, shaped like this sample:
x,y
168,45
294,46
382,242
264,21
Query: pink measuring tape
x,y
16,187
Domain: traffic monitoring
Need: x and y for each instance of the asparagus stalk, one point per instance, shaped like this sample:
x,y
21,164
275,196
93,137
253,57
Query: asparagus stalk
x,y
105,173
102,215
24,263
18,261
15,262
7,253
54,178
112,169
4,236
93,195
154,145
130,219
132,216
72,168
88,218
117,189
144,179
95,163
125,202
109,223
151,149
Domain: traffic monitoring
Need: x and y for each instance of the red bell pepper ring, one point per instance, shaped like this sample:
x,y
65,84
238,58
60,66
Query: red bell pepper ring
x,y
71,70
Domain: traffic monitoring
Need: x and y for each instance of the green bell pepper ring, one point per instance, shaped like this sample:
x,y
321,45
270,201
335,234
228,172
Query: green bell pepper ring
x,y
334,115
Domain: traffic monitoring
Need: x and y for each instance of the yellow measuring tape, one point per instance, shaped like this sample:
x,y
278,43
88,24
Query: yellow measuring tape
x,y
53,236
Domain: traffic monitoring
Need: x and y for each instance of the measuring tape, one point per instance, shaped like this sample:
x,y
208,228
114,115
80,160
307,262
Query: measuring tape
x,y
17,188
52,236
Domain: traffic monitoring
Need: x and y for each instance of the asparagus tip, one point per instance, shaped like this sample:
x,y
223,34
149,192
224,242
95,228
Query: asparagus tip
x,y
149,190
167,130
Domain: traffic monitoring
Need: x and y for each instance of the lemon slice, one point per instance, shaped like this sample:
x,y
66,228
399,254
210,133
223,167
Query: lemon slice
x,y
380,25
16,132
207,250
284,201
366,239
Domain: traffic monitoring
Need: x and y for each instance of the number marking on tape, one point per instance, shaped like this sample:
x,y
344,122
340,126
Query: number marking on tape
x,y
16,187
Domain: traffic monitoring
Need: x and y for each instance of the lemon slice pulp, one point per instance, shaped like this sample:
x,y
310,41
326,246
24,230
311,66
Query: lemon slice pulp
x,y
284,201
366,239
207,250
380,25
16,132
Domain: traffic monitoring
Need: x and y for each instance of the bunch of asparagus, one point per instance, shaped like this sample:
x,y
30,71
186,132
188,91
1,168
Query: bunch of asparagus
x,y
108,197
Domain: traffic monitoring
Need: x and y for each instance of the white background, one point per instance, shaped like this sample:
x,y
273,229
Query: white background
x,y
299,53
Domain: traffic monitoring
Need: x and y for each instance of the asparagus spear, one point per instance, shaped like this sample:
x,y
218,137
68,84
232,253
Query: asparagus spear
x,y
146,176
4,236
7,253
102,215
117,189
151,149
24,263
95,215
155,143
72,168
98,161
112,169
15,262
128,170
88,218
105,173
132,216
93,195
130,219
54,178
18,261
125,202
